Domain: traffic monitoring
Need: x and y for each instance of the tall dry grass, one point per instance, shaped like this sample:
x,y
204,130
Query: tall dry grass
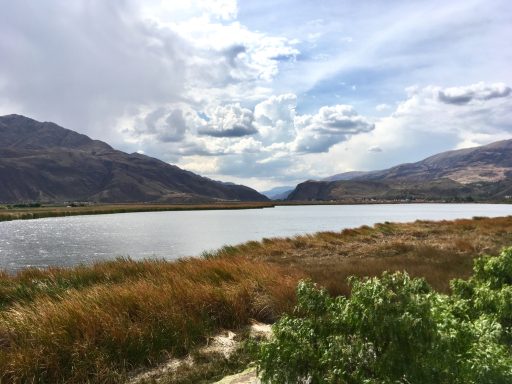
x,y
436,250
128,314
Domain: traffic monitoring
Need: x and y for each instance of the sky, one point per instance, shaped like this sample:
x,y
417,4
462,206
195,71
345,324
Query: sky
x,y
264,93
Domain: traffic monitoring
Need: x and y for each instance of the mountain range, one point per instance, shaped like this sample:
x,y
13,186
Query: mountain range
x,y
41,161
480,173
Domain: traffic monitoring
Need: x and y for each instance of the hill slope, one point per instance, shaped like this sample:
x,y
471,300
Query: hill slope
x,y
488,163
45,162
481,173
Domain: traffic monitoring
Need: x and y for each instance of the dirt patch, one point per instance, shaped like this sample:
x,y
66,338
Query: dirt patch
x,y
224,344
249,376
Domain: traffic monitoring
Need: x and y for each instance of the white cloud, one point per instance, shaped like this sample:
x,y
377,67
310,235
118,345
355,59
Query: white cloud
x,y
171,10
274,118
383,107
331,125
229,121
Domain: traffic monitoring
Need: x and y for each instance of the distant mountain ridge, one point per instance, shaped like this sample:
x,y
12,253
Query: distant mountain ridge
x,y
278,193
480,173
41,161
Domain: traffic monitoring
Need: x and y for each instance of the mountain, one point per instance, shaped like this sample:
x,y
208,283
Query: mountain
x,y
481,173
488,163
278,193
41,161
345,176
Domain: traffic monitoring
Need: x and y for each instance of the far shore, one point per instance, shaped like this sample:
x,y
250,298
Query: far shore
x,y
9,213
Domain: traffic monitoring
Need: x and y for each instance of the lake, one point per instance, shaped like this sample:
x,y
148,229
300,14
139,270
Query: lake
x,y
68,241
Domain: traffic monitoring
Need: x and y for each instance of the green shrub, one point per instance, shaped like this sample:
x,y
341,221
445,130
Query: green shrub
x,y
396,329
489,290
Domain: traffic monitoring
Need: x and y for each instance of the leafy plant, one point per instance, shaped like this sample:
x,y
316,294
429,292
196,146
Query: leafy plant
x,y
396,329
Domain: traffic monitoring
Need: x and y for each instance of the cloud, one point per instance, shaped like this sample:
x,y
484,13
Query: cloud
x,y
166,125
476,107
383,107
215,9
331,125
479,91
136,57
423,125
229,121
282,143
176,127
171,124
274,118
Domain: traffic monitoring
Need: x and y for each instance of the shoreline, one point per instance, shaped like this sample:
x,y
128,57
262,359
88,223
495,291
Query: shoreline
x,y
11,214
31,213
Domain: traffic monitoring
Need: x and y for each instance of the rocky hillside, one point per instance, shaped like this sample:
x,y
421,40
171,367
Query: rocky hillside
x,y
488,163
48,163
481,173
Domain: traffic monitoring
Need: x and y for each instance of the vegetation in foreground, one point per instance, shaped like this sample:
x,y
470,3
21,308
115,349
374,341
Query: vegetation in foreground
x,y
395,329
36,211
97,323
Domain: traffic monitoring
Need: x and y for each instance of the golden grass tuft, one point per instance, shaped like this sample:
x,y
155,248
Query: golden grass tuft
x,y
100,332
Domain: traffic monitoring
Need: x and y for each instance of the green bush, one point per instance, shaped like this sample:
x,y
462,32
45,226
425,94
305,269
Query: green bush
x,y
395,329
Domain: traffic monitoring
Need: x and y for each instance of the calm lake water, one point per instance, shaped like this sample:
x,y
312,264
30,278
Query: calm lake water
x,y
69,241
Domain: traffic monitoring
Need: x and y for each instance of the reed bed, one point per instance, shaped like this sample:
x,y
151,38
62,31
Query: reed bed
x,y
437,250
97,324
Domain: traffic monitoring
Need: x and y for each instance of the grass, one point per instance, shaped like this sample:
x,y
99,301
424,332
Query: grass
x,y
28,213
98,323
436,250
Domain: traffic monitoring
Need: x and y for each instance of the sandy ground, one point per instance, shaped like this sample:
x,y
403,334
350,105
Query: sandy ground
x,y
223,343
246,377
